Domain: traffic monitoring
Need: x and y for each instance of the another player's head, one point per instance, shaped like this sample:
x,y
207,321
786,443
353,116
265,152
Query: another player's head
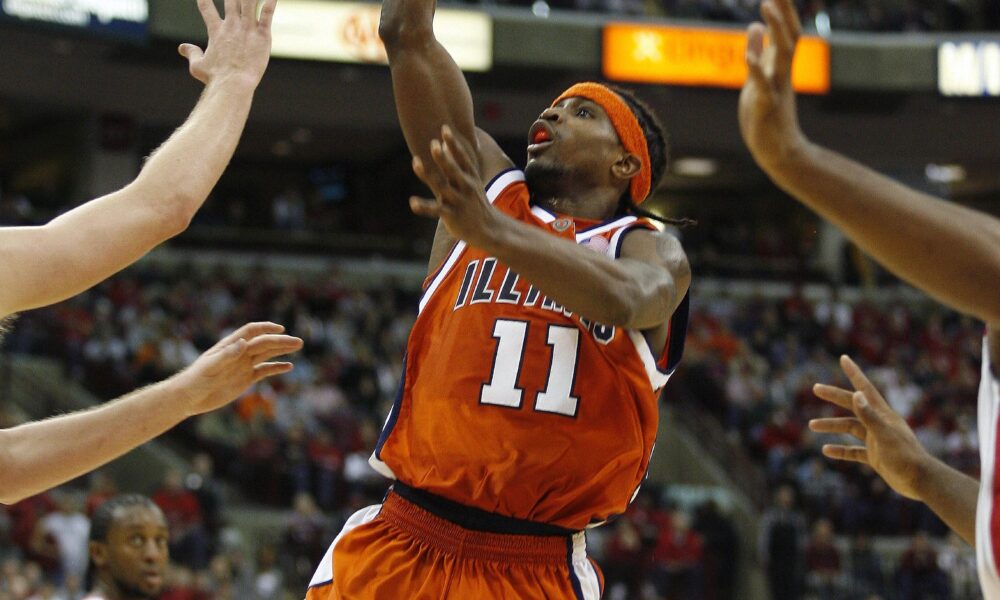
x,y
128,548
596,136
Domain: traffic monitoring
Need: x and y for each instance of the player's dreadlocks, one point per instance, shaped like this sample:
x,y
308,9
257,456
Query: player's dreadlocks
x,y
659,156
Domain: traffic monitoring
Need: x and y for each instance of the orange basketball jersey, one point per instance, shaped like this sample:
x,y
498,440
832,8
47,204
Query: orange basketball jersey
x,y
512,404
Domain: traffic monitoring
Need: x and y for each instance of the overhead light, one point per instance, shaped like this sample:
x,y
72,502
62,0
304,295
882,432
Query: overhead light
x,y
945,173
695,167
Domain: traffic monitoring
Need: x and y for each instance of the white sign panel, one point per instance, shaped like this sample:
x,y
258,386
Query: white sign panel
x,y
121,17
348,32
969,68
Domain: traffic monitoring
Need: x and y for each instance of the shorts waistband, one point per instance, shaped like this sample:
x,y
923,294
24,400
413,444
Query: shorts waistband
x,y
452,539
476,519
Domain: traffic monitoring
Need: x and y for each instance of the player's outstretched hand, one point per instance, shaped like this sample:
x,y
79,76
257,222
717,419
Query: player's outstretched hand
x,y
228,368
768,120
239,46
459,200
890,448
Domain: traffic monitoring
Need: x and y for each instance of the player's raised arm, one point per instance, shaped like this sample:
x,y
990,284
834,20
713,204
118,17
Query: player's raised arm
x,y
429,88
41,455
946,250
893,451
43,265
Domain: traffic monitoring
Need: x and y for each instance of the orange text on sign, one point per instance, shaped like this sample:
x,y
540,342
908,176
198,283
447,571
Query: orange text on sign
x,y
701,57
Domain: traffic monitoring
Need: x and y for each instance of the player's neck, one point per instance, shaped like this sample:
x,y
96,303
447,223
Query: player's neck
x,y
108,589
595,204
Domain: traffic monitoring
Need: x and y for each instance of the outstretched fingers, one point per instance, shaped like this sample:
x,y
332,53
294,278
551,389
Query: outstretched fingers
x,y
268,346
861,382
755,52
209,14
840,425
270,369
834,395
267,14
781,36
858,454
250,331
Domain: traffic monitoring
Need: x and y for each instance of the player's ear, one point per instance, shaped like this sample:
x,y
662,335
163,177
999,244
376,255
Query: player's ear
x,y
626,167
98,553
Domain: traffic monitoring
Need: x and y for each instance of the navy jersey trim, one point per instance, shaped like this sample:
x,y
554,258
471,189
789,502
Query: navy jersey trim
x,y
678,335
318,585
393,414
627,230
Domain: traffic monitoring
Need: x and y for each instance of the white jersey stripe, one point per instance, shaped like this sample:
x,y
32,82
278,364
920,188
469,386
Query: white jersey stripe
x,y
989,403
493,192
622,222
585,574
324,572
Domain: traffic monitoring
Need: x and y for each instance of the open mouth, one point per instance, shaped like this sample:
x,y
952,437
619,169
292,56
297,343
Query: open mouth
x,y
540,136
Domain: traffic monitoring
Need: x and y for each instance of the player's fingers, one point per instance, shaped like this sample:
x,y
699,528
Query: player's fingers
x,y
433,178
839,425
834,395
755,51
781,38
270,369
850,453
267,13
865,411
425,207
266,347
209,14
446,164
190,51
460,150
861,382
791,18
232,9
250,331
248,10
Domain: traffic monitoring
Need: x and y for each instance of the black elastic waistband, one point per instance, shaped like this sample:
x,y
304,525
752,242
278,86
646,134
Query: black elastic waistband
x,y
474,518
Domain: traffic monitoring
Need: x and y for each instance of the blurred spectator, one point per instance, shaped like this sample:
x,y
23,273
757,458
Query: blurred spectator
x,y
677,560
307,537
782,532
62,535
867,579
189,542
958,560
823,564
919,576
721,551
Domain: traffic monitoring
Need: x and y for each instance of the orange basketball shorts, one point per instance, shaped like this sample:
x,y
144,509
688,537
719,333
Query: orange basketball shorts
x,y
399,550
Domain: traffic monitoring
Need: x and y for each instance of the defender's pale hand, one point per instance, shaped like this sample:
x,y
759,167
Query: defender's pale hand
x,y
228,368
239,46
459,200
890,447
768,120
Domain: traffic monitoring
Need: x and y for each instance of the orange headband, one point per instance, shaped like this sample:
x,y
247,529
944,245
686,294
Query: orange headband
x,y
625,123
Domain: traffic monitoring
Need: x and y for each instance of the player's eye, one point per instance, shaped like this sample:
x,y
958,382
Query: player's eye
x,y
584,113
135,540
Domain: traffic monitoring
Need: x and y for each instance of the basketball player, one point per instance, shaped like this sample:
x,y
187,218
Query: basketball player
x,y
550,321
44,265
949,251
128,549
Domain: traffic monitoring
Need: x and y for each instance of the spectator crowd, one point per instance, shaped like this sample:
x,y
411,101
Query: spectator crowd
x,y
301,443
